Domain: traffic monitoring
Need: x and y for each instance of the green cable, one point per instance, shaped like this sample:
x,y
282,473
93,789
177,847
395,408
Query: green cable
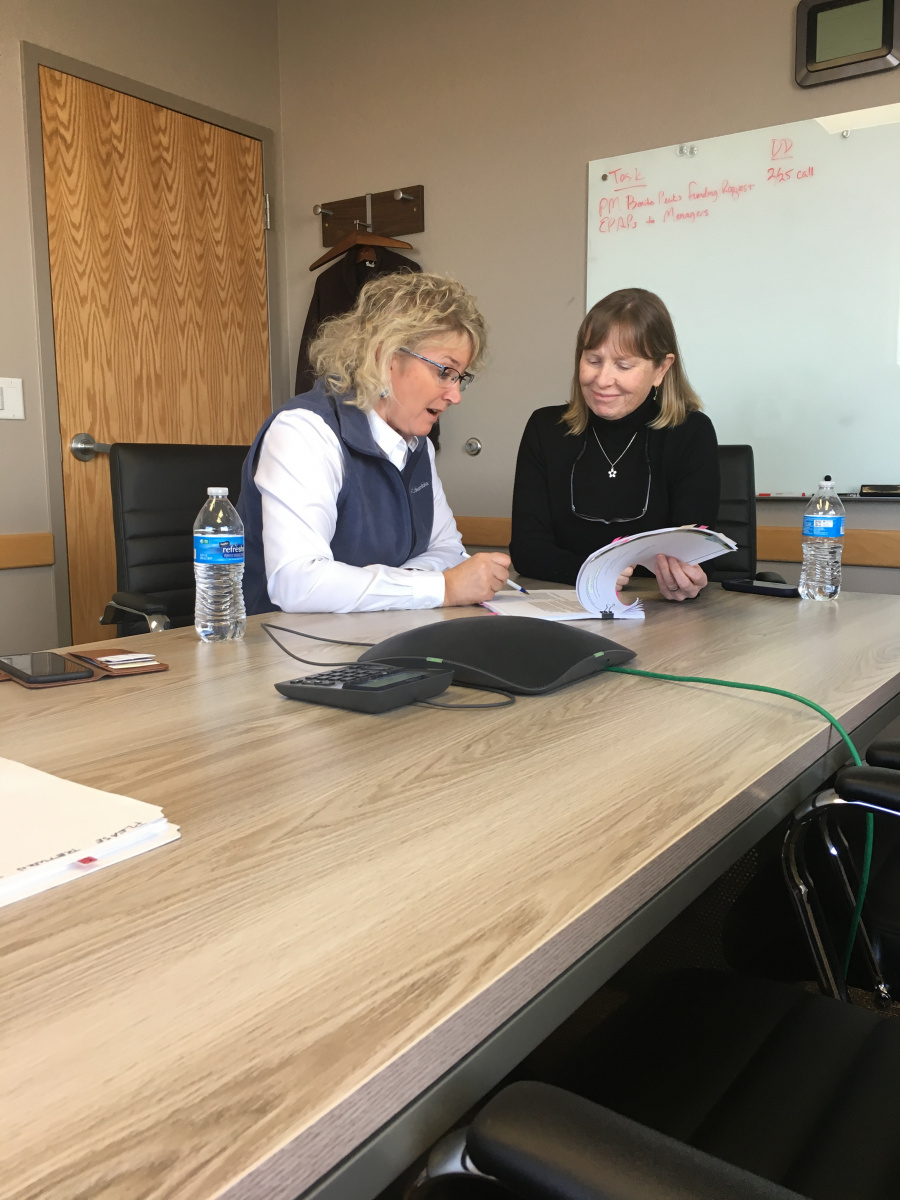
x,y
861,895
760,687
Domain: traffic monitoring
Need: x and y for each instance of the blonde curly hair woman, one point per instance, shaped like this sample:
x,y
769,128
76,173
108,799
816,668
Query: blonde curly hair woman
x,y
342,507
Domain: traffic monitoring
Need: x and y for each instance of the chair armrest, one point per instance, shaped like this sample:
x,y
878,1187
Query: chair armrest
x,y
870,787
139,605
137,602
885,753
769,577
547,1144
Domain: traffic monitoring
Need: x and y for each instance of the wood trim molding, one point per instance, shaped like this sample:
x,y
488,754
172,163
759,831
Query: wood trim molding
x,y
26,550
862,547
485,531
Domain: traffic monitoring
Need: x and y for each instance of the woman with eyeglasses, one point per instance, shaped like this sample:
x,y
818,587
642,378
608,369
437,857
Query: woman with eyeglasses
x,y
631,451
342,507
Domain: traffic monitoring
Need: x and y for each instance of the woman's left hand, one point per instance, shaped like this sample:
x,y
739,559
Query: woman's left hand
x,y
678,580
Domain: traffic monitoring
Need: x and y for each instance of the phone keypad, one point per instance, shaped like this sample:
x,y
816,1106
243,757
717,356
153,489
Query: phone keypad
x,y
341,676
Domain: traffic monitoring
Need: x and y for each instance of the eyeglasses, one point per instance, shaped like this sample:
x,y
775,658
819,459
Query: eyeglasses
x,y
610,520
445,374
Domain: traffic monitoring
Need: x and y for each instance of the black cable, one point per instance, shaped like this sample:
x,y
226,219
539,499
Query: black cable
x,y
316,637
310,662
505,703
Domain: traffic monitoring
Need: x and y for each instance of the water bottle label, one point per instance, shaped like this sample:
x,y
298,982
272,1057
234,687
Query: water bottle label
x,y
829,527
218,547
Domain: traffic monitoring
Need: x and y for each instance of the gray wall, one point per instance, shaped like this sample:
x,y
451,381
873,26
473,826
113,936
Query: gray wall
x,y
497,106
220,53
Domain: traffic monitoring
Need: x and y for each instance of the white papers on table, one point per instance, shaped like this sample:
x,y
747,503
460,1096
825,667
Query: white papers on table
x,y
550,605
595,592
596,582
52,830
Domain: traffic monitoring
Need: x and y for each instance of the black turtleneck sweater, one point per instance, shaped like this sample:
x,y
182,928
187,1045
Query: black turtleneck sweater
x,y
550,542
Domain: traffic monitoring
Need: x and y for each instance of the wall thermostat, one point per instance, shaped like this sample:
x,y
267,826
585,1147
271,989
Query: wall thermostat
x,y
838,39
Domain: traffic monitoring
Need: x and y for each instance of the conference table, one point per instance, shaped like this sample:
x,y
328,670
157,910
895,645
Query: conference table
x,y
368,920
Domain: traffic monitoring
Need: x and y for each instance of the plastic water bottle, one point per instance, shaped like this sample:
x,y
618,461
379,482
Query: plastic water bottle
x,y
823,541
219,613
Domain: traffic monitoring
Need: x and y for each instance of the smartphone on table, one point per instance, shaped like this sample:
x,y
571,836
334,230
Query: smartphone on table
x,y
761,587
44,666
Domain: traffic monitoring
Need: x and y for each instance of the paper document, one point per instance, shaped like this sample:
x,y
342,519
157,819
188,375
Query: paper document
x,y
52,830
550,605
595,588
596,582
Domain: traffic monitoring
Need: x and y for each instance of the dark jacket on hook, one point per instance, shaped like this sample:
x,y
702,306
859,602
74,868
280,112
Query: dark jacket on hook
x,y
336,291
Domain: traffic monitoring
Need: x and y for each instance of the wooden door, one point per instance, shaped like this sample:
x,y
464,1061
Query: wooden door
x,y
158,274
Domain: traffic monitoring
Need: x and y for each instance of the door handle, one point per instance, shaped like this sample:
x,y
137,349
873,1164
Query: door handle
x,y
85,448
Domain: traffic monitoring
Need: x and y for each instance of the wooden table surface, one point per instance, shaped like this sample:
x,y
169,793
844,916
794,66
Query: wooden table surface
x,y
357,901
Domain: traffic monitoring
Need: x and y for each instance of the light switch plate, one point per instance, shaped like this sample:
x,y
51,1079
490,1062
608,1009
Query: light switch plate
x,y
12,404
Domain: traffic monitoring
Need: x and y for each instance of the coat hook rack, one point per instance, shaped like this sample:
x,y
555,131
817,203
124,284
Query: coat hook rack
x,y
394,213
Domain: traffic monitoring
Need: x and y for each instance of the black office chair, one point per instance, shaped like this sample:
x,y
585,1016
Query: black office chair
x,y
705,1086
883,906
737,517
839,846
157,491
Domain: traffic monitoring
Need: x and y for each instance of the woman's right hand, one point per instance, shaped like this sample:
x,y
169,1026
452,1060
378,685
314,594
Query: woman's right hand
x,y
477,578
623,579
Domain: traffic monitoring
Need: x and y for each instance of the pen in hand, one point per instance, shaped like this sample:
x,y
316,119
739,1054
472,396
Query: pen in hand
x,y
509,583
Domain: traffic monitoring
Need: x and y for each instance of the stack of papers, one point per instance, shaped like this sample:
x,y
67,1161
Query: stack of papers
x,y
595,592
53,831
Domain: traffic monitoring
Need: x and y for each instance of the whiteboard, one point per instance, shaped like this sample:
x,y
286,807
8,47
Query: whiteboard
x,y
778,254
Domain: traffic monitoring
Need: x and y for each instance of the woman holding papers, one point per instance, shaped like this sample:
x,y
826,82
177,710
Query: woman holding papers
x,y
342,507
630,452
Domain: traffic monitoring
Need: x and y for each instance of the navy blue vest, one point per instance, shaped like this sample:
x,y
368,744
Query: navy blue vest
x,y
383,515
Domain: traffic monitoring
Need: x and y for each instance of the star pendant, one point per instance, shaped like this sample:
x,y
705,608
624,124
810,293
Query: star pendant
x,y
612,472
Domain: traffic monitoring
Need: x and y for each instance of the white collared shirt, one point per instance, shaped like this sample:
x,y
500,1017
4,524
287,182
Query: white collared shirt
x,y
299,475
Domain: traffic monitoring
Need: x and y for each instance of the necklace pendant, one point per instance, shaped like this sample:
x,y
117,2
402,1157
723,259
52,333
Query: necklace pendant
x,y
612,472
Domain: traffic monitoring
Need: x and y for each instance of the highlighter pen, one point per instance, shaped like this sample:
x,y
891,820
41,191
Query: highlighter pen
x,y
509,583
